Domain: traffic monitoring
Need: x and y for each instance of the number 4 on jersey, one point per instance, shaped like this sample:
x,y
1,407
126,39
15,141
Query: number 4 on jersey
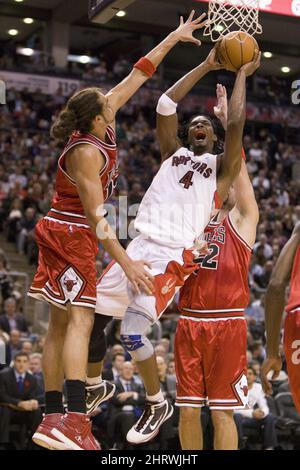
x,y
186,180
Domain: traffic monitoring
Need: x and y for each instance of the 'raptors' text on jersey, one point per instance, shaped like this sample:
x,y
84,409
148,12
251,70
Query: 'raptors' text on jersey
x,y
177,206
221,283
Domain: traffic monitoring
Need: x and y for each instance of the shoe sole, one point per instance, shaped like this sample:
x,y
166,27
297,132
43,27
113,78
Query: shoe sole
x,y
48,443
98,402
65,440
149,437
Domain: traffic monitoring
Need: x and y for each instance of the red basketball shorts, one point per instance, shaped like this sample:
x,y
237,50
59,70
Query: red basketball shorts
x,y
211,365
67,264
292,353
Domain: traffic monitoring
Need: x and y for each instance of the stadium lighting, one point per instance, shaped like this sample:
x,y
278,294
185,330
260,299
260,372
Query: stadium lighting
x,y
268,55
18,1
25,51
285,69
121,13
28,20
13,32
84,59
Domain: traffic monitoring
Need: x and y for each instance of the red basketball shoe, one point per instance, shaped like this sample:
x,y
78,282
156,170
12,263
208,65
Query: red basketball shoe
x,y
43,437
75,431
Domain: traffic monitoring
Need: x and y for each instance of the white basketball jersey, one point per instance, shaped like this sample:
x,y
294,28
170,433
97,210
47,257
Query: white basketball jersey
x,y
177,206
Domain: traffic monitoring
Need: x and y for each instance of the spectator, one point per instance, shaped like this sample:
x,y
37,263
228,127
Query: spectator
x,y
5,282
15,344
168,382
265,247
27,347
171,367
126,404
26,225
258,416
35,367
114,372
11,320
18,396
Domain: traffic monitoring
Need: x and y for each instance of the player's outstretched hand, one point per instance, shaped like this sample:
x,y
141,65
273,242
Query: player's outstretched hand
x,y
186,29
139,277
221,109
270,363
212,59
251,67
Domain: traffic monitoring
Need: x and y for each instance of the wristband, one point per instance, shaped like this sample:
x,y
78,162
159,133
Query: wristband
x,y
166,106
146,66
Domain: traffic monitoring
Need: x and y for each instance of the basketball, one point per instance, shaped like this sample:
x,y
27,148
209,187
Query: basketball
x,y
236,49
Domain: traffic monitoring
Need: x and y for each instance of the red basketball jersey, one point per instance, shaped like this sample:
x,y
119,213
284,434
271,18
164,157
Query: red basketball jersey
x,y
220,286
294,298
66,198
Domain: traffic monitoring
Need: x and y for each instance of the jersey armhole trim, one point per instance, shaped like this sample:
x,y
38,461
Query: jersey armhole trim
x,y
236,233
79,143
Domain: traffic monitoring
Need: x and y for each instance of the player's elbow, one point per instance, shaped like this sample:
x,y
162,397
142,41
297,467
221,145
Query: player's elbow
x,y
276,285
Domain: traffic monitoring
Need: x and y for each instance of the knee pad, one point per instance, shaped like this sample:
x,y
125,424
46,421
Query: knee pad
x,y
138,346
97,346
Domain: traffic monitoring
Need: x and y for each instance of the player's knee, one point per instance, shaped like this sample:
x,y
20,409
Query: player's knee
x,y
138,346
82,320
190,414
221,418
58,325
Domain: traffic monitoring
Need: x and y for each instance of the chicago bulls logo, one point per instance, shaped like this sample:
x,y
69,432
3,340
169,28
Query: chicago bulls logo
x,y
245,390
70,283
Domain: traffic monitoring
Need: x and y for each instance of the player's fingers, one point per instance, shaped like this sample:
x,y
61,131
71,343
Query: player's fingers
x,y
191,16
146,287
196,41
181,21
200,18
224,91
136,287
146,263
199,26
148,279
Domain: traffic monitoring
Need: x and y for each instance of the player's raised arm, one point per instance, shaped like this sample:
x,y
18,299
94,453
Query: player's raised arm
x,y
231,161
167,119
274,307
85,166
146,66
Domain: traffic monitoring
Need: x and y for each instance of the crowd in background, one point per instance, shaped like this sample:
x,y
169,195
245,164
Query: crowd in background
x,y
28,161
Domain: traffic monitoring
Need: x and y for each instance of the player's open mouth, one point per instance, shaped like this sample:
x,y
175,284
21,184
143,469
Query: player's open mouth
x,y
200,136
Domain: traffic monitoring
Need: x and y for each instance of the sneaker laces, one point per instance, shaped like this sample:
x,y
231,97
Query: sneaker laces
x,y
145,418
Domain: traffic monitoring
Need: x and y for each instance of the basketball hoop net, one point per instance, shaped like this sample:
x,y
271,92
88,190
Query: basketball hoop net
x,y
226,16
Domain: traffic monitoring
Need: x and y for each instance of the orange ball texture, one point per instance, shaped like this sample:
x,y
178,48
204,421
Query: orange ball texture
x,y
236,49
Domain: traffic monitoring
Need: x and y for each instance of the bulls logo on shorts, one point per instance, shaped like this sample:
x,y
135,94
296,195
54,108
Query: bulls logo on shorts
x,y
71,283
242,390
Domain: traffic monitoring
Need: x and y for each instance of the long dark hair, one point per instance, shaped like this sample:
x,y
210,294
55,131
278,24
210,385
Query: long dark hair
x,y
78,115
218,130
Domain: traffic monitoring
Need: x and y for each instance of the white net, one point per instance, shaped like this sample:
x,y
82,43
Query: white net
x,y
226,16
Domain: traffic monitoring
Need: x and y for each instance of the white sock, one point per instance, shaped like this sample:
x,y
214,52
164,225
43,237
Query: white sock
x,y
157,398
90,381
